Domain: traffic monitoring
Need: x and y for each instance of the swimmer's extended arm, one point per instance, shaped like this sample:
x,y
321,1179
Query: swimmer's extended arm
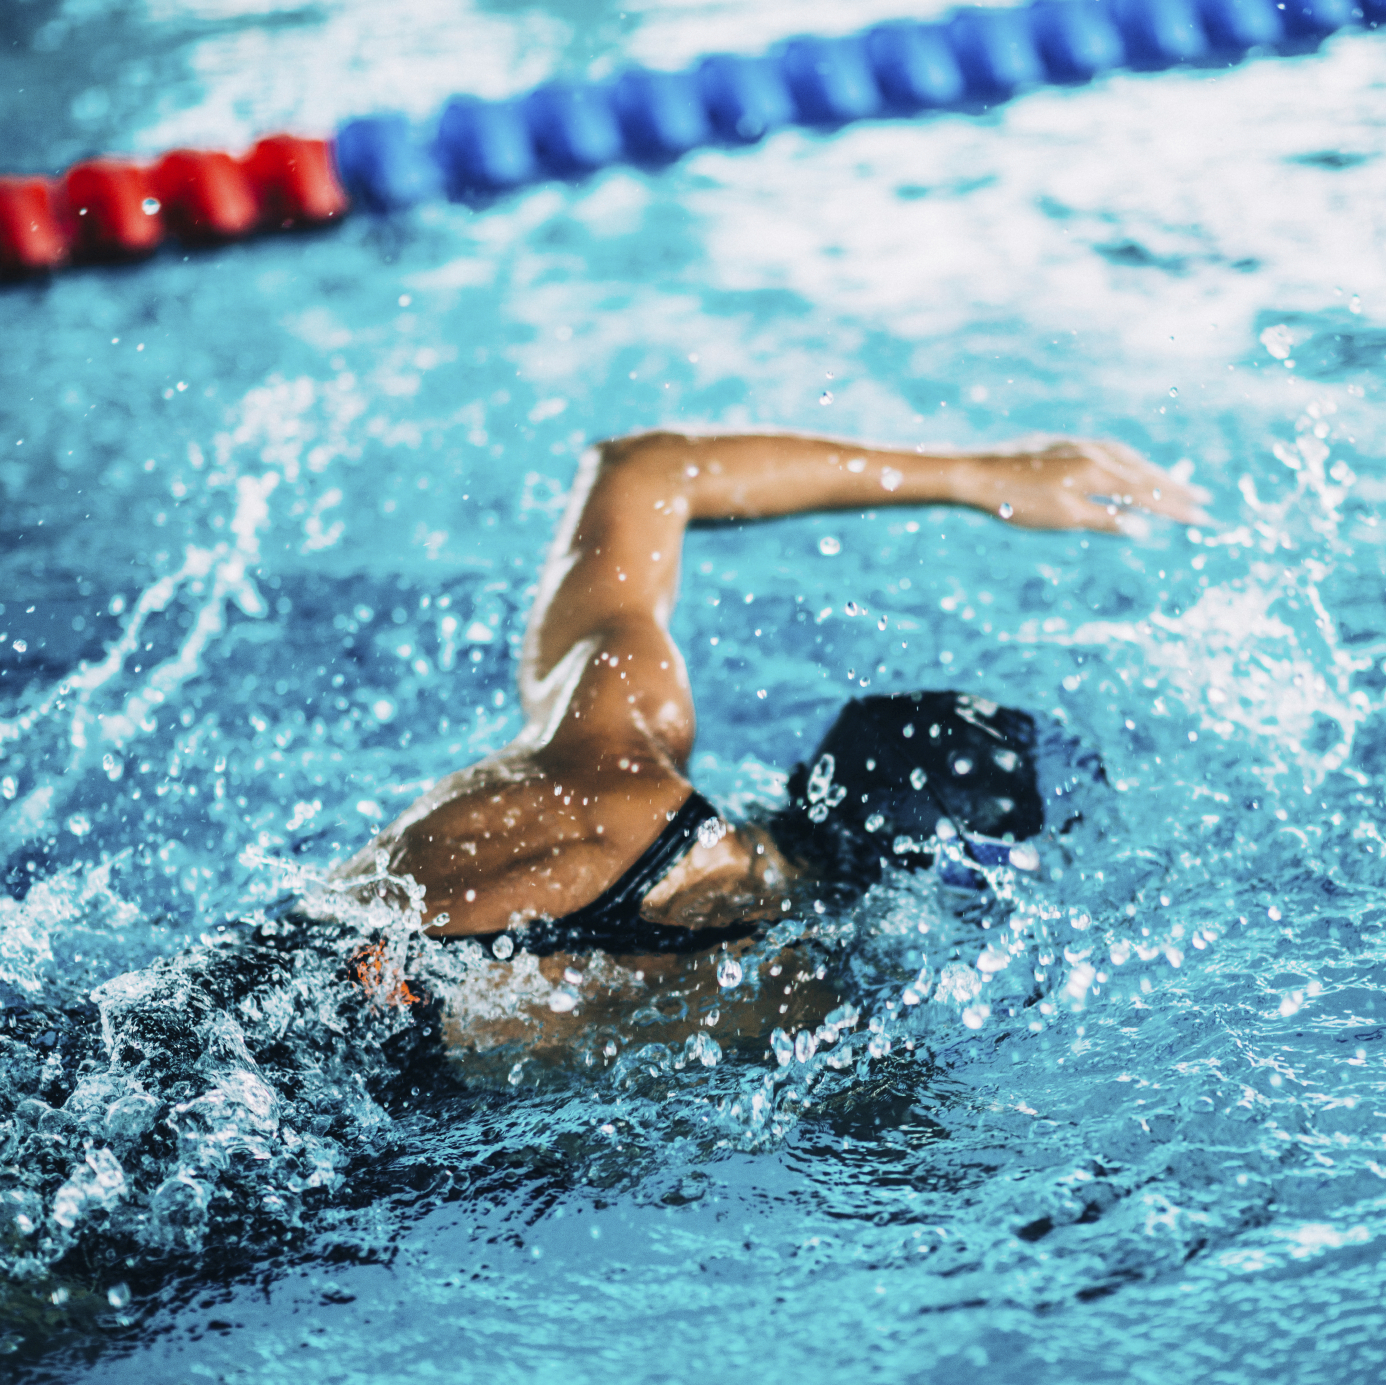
x,y
597,771
600,671
1059,484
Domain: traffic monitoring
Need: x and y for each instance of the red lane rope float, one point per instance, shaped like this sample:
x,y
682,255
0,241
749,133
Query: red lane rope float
x,y
117,209
30,236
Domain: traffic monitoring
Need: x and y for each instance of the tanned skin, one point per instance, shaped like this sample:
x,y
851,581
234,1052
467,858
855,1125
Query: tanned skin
x,y
543,826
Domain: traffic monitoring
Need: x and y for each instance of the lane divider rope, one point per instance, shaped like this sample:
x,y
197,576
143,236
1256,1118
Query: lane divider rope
x,y
116,209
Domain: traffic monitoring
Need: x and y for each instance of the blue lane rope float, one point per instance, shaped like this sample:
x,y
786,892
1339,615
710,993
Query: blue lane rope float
x,y
972,59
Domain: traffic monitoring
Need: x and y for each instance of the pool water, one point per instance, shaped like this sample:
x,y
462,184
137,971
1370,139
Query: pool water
x,y
271,519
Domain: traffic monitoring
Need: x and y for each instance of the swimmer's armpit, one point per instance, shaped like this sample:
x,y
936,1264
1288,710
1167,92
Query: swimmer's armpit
x,y
1073,483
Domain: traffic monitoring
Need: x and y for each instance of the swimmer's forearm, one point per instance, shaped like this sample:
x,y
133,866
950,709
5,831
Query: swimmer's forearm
x,y
759,476
1061,483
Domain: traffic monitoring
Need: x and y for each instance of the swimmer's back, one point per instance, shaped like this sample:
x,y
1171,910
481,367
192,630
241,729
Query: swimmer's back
x,y
525,835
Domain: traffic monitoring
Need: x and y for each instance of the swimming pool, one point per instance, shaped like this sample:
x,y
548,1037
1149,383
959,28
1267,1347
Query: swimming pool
x,y
302,487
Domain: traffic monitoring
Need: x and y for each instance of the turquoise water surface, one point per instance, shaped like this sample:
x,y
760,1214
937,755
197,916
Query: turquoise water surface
x,y
271,518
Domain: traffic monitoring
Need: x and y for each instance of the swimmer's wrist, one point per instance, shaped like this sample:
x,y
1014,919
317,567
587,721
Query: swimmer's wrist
x,y
963,479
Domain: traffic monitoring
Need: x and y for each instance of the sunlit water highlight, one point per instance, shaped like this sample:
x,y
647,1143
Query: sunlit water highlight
x,y
271,518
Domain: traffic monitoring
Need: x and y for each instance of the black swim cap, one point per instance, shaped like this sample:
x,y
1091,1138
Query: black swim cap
x,y
892,767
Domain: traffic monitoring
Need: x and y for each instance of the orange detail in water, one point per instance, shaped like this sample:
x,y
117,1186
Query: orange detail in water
x,y
382,979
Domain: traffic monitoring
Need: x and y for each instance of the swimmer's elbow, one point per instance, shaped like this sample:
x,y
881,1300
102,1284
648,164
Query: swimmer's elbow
x,y
640,450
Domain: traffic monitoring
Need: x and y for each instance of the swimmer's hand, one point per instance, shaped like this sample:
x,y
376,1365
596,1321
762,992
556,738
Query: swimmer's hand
x,y
1074,483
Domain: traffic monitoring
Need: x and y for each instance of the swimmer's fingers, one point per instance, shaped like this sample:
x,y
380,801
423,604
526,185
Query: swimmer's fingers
x,y
1075,483
1105,516
1106,486
1142,484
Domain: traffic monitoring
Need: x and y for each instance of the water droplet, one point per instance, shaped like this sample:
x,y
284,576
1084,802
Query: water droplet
x,y
805,1046
828,546
1024,857
150,206
729,972
918,778
852,609
783,1047
1278,340
1173,392
1006,510
118,1295
826,397
503,947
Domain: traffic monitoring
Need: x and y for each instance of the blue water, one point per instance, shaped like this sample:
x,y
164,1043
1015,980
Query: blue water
x,y
271,518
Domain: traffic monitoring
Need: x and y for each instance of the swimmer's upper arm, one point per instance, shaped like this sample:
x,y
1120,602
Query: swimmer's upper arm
x,y
599,664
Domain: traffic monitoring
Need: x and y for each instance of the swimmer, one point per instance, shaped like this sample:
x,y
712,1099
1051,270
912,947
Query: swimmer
x,y
583,853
